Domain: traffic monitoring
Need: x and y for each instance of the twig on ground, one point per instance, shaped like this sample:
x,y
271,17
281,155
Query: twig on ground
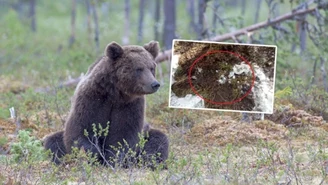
x,y
69,83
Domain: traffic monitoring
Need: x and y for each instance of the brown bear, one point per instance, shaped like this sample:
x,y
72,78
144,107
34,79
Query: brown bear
x,y
112,94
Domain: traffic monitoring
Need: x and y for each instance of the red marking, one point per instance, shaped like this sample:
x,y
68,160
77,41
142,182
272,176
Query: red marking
x,y
220,51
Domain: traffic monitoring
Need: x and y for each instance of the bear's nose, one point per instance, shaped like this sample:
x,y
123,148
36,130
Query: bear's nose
x,y
155,86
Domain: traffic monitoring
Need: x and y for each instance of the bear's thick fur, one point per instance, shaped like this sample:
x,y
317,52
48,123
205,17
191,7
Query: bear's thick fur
x,y
55,143
112,92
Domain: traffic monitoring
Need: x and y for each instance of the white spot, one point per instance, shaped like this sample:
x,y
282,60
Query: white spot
x,y
191,101
231,74
12,113
263,91
199,69
194,77
222,79
175,64
242,68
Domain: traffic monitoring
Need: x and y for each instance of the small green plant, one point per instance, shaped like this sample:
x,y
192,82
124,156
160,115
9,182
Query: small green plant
x,y
123,155
3,141
287,91
27,148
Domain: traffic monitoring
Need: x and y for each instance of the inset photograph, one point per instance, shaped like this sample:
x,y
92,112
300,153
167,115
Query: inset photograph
x,y
222,76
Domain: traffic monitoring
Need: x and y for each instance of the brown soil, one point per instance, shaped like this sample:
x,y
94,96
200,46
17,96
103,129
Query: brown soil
x,y
220,131
40,124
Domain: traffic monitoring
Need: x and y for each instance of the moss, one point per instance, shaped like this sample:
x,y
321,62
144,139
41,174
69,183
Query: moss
x,y
209,69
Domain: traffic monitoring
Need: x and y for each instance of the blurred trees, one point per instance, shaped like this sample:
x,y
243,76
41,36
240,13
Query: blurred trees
x,y
201,19
95,20
90,24
301,39
157,19
26,10
169,23
73,17
125,39
141,19
191,12
32,15
201,29
257,11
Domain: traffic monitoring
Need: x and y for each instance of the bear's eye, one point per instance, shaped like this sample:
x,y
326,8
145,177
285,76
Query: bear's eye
x,y
139,70
152,70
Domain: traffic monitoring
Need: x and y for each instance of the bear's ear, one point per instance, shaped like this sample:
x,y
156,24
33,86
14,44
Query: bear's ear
x,y
153,48
113,50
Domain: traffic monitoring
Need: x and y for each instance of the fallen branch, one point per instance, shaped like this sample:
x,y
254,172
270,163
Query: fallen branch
x,y
244,31
260,25
69,83
165,55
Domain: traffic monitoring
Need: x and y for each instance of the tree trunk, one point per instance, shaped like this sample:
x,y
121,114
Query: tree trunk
x,y
201,18
19,8
302,33
216,6
191,12
126,39
95,19
243,9
157,18
73,16
141,17
232,3
257,13
88,7
32,15
156,35
169,23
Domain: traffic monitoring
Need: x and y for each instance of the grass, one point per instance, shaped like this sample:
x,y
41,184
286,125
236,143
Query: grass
x,y
206,147
263,162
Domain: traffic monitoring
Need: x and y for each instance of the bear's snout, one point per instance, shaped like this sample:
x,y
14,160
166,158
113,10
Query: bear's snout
x,y
155,85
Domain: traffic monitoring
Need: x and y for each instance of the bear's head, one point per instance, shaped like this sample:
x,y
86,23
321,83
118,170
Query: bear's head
x,y
133,67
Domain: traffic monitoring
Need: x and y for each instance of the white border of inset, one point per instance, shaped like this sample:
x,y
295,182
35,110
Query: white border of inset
x,y
225,110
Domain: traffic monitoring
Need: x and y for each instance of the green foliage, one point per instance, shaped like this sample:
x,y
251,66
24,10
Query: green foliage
x,y
287,91
142,140
27,149
300,93
4,113
81,157
124,154
14,31
3,141
100,131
